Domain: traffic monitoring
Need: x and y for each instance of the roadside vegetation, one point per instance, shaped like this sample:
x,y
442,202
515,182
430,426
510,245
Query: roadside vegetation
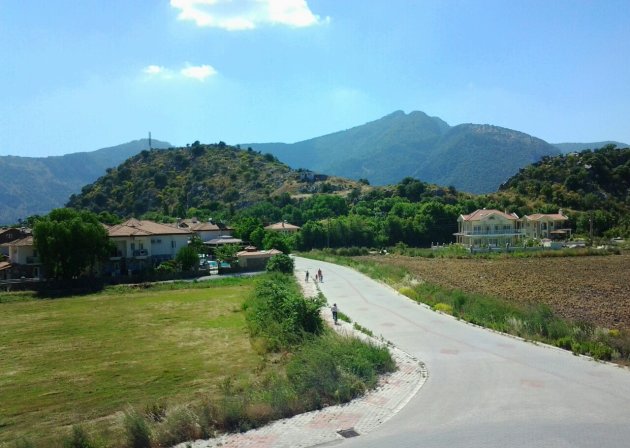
x,y
154,365
531,319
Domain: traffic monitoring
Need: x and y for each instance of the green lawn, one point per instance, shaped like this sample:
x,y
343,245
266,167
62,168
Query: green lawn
x,y
86,359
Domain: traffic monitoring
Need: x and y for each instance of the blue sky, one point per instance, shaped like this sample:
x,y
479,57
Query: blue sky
x,y
84,74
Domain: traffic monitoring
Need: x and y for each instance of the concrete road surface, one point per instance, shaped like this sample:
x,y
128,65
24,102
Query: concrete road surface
x,y
484,389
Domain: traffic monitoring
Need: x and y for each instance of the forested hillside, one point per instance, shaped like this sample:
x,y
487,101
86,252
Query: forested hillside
x,y
200,179
249,190
594,182
470,157
36,185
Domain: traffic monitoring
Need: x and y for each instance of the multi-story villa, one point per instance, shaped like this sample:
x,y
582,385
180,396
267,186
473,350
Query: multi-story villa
x,y
495,228
489,227
141,244
551,226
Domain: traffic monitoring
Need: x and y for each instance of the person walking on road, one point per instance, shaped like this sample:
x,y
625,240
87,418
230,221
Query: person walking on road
x,y
334,310
320,275
306,276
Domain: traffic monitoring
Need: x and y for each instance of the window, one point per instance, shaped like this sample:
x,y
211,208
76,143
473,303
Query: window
x,y
173,244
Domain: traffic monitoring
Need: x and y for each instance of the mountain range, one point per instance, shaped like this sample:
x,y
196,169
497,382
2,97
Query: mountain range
x,y
471,157
35,185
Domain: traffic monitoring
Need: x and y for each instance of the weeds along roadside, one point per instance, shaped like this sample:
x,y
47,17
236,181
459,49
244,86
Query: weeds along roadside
x,y
306,366
536,323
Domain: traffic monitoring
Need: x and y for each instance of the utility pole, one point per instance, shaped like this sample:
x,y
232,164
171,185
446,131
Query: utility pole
x,y
590,224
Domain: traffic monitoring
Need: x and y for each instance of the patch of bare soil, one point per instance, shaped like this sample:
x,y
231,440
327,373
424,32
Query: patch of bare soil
x,y
594,289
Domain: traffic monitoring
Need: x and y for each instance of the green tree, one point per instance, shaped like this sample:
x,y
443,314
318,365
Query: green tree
x,y
70,243
187,258
227,252
281,263
275,240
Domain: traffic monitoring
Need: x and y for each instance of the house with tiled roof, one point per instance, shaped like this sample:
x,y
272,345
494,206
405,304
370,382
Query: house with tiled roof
x,y
282,227
23,259
252,259
140,244
551,226
206,230
10,234
489,227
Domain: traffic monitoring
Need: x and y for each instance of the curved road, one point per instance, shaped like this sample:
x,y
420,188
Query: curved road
x,y
484,389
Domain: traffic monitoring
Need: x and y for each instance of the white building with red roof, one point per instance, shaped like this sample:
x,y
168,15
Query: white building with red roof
x,y
140,244
282,227
489,227
546,225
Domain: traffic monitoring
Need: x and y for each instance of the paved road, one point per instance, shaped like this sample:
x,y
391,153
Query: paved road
x,y
484,389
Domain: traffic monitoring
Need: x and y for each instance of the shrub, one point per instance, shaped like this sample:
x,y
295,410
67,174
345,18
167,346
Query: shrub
x,y
565,342
443,307
137,432
167,266
179,425
281,263
279,314
187,258
155,412
78,439
409,292
334,369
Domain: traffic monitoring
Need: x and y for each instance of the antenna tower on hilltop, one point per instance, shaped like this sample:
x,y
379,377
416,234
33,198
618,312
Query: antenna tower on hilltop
x,y
150,147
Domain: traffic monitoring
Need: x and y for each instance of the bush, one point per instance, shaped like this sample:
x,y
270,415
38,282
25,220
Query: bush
x,y
333,369
279,314
78,439
137,432
281,263
443,307
179,425
187,258
409,292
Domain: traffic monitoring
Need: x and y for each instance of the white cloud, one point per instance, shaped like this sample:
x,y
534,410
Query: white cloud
x,y
235,15
199,72
153,70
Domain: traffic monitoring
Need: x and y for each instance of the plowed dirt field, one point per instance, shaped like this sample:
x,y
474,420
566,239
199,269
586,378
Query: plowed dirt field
x,y
592,289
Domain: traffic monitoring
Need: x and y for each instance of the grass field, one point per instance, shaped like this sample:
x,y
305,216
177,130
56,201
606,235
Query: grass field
x,y
86,359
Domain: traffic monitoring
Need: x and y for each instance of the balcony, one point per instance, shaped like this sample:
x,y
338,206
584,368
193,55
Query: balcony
x,y
117,256
140,254
492,233
32,260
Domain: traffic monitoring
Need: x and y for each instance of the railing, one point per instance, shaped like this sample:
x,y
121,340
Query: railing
x,y
140,253
510,232
32,260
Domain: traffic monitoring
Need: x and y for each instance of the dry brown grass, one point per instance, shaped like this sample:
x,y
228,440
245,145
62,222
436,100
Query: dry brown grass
x,y
591,289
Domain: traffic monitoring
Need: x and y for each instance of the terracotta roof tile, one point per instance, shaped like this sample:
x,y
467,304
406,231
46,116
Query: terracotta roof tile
x,y
135,227
482,214
552,216
281,226
27,241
